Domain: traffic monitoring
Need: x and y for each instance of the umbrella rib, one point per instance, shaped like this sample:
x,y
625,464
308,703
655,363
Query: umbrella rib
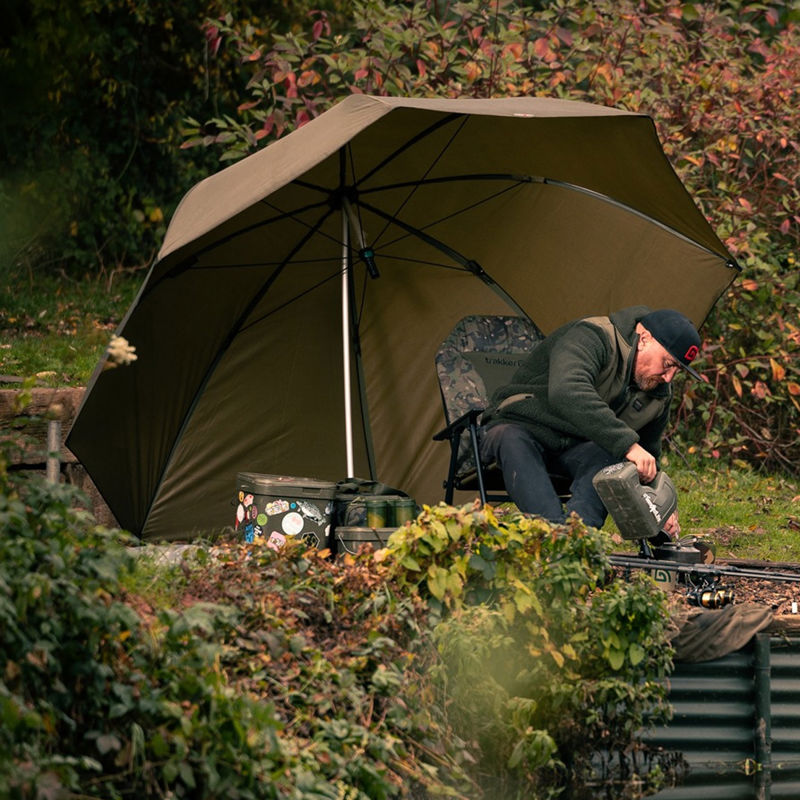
x,y
412,141
519,179
282,215
291,300
414,187
469,264
475,204
477,176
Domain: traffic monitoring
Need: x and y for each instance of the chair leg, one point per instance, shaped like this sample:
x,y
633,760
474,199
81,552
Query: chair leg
x,y
473,436
449,485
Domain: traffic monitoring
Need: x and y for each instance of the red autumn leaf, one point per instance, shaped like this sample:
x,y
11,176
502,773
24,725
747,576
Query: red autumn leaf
x,y
745,204
793,388
565,36
421,68
307,78
541,47
606,71
515,49
737,385
778,370
784,226
749,285
759,390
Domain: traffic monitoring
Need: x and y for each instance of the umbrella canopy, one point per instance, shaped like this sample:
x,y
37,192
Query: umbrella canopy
x,y
432,209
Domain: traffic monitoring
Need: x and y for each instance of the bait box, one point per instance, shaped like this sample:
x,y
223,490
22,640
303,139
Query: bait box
x,y
277,508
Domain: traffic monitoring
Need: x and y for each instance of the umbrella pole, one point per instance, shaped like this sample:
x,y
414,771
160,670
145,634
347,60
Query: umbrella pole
x,y
348,409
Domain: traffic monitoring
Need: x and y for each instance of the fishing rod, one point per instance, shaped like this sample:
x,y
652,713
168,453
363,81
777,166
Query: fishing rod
x,y
703,581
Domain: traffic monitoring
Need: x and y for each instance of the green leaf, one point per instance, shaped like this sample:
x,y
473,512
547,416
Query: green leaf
x,y
409,562
616,658
636,653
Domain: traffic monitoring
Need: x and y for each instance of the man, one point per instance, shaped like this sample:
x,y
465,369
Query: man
x,y
592,393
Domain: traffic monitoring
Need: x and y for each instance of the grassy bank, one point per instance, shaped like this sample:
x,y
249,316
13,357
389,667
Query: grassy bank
x,y
57,328
745,513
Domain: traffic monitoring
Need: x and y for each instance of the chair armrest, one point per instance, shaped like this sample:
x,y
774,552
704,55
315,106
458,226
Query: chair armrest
x,y
457,426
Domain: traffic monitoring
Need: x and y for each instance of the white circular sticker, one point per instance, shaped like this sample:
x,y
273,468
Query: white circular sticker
x,y
240,513
292,524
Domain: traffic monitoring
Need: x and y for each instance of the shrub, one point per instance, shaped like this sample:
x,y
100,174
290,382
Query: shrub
x,y
86,702
477,651
546,662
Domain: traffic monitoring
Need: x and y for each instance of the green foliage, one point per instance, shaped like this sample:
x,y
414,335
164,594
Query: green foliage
x,y
87,702
284,675
749,410
93,94
343,658
545,661
721,81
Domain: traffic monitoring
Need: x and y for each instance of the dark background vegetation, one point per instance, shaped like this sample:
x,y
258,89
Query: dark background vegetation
x,y
112,109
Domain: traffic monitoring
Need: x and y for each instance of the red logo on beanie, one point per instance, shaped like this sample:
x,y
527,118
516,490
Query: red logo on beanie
x,y
691,353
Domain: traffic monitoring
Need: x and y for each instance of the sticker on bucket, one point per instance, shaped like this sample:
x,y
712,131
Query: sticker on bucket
x,y
280,518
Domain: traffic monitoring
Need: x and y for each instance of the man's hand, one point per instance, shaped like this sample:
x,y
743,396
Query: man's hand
x,y
672,526
645,463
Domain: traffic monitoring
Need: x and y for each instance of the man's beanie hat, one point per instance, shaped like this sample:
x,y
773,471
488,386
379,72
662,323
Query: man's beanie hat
x,y
676,334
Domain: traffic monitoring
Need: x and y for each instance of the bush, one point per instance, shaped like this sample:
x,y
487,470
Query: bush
x,y
549,664
474,652
86,703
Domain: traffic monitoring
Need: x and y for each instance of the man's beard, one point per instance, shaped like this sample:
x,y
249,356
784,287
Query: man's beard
x,y
647,384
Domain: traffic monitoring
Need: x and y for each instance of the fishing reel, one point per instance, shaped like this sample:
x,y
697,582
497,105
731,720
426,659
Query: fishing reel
x,y
708,593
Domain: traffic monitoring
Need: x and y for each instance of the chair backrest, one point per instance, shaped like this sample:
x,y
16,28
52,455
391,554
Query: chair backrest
x,y
480,354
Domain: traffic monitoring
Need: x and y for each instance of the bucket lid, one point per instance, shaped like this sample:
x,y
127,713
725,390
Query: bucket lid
x,y
284,484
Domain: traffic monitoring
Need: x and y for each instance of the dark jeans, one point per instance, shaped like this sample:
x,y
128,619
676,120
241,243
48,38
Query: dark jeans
x,y
526,467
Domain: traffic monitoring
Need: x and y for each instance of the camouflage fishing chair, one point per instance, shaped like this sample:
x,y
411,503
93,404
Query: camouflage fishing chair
x,y
480,354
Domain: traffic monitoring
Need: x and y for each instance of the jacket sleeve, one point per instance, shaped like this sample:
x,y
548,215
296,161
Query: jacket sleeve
x,y
575,364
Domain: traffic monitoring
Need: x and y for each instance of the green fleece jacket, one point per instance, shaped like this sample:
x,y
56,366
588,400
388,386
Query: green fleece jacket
x,y
577,385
